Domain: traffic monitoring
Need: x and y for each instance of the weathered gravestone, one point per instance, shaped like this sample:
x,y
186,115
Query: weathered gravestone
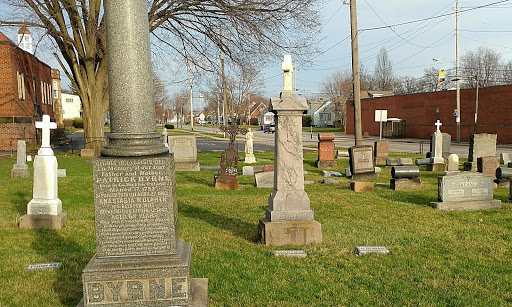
x,y
342,154
453,164
504,158
289,219
139,261
480,145
381,151
326,151
226,178
20,169
264,180
445,144
488,165
362,186
44,211
405,178
465,191
184,148
362,166
87,153
247,171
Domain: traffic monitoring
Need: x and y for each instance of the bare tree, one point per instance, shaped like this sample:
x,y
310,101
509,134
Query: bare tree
x,y
484,63
430,80
383,74
249,29
161,98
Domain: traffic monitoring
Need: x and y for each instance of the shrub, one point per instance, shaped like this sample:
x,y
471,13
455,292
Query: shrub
x,y
169,126
306,120
78,123
68,123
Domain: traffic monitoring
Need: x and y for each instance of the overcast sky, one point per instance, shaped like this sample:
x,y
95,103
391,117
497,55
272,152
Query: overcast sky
x,y
412,31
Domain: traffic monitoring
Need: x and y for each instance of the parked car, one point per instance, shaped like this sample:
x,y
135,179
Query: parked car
x,y
270,128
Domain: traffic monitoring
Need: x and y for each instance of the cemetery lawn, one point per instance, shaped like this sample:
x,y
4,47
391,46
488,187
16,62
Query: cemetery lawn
x,y
436,258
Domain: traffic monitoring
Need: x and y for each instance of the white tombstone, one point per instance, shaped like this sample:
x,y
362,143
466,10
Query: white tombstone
x,y
164,134
438,152
453,163
504,158
20,169
249,147
45,208
287,67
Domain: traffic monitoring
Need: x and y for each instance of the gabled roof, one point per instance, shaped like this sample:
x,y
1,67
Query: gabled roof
x,y
376,94
325,107
5,39
315,105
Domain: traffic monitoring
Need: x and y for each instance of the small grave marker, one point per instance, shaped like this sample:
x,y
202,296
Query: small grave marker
x,y
291,253
363,250
43,266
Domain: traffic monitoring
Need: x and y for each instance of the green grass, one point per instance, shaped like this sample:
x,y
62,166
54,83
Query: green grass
x,y
436,258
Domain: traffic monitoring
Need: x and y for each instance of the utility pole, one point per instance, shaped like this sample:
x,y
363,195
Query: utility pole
x,y
457,68
249,104
355,75
191,97
476,104
294,76
223,84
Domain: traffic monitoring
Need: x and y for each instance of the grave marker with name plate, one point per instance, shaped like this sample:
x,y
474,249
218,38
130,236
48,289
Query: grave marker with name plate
x,y
362,164
185,152
465,191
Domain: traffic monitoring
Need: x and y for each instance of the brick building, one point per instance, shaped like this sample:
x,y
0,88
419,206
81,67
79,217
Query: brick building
x,y
25,92
416,114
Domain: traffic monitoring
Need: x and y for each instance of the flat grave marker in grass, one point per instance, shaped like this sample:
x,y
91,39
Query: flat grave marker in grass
x,y
363,250
291,253
43,266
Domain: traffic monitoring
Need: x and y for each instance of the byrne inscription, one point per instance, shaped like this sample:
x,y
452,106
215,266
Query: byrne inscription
x,y
134,206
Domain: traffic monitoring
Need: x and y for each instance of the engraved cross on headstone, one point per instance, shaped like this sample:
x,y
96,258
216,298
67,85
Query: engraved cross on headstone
x,y
233,130
438,124
45,126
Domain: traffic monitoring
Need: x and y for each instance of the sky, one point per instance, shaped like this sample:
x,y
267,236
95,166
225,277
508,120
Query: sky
x,y
412,32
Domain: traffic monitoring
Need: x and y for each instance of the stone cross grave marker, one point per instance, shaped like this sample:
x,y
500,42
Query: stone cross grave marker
x,y
226,178
20,169
287,67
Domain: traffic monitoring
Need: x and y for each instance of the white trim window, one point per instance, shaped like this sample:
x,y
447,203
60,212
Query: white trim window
x,y
21,85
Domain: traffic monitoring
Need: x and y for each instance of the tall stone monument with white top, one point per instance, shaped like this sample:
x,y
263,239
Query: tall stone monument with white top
x,y
437,161
44,211
139,261
289,219
20,169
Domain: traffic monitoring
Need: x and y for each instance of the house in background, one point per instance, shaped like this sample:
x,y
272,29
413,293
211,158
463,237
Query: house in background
x,y
257,110
26,91
322,113
71,106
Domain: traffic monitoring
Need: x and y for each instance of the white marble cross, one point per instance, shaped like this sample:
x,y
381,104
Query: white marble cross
x,y
45,126
287,67
438,124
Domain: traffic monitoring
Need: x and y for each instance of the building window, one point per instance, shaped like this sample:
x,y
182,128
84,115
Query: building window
x,y
55,90
43,97
49,93
21,85
70,100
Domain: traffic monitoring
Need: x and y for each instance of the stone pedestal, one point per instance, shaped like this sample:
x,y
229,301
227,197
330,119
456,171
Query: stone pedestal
x,y
361,186
20,173
225,182
249,158
436,167
326,151
381,149
405,184
289,219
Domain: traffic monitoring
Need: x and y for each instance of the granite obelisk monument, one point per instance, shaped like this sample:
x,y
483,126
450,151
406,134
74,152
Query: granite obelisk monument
x,y
139,261
289,219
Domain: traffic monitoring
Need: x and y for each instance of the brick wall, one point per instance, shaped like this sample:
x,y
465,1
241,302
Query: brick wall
x,y
10,133
421,111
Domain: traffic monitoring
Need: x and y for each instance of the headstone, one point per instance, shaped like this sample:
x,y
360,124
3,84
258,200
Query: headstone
x,y
87,153
348,174
20,169
342,154
139,259
405,161
363,250
184,148
43,266
29,158
422,162
289,219
44,211
445,144
309,182
330,181
210,167
264,180
362,166
247,171
378,169
453,163
61,173
405,178
226,178
362,186
437,160
480,145
381,151
291,253
504,158
263,160
488,165
326,151
259,168
331,174
249,147
392,162
465,191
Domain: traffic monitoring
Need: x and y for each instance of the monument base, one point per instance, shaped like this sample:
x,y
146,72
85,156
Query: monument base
x,y
436,167
331,164
380,160
250,158
20,173
405,184
152,280
470,166
358,186
191,166
502,183
289,233
473,205
43,221
225,182
365,176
